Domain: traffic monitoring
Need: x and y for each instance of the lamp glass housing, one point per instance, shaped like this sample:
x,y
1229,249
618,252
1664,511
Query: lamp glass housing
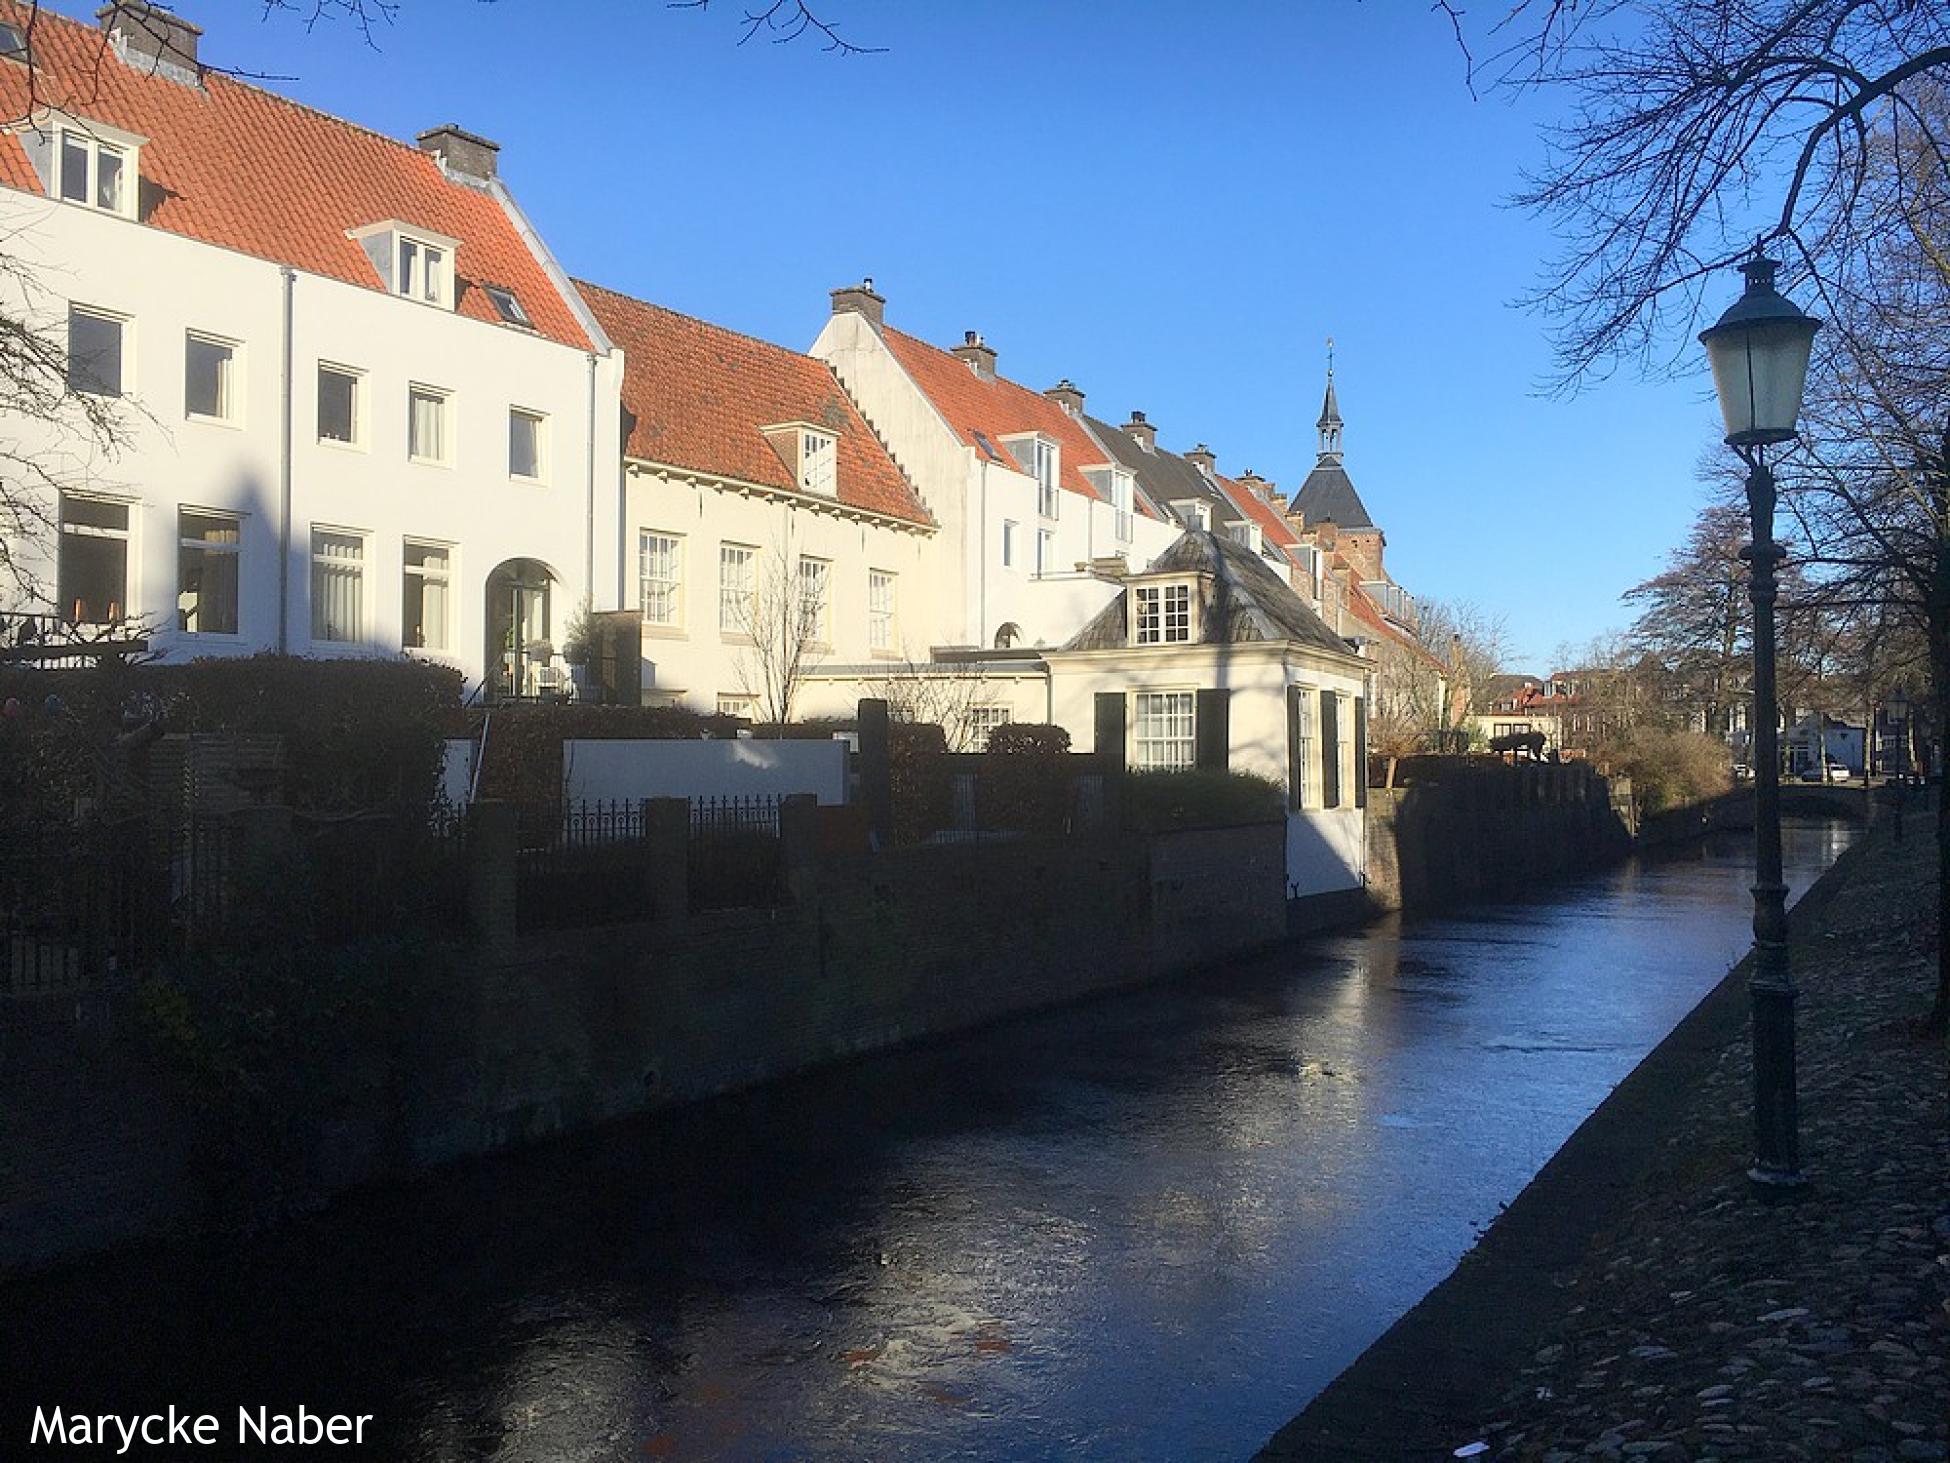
x,y
1759,352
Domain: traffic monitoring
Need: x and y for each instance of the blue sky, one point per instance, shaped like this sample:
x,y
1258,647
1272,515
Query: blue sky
x,y
1172,207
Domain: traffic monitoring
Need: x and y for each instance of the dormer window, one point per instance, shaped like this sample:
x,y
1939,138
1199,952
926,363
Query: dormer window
x,y
1118,489
13,43
412,263
86,163
1036,454
811,453
1161,614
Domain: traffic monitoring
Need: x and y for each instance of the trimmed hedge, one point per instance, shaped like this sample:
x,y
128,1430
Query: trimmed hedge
x,y
1025,778
921,782
1160,802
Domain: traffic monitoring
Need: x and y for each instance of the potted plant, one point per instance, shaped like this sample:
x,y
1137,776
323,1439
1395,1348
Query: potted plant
x,y
578,650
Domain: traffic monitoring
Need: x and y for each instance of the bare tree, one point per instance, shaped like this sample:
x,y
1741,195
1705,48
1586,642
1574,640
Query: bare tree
x,y
1474,644
786,622
945,695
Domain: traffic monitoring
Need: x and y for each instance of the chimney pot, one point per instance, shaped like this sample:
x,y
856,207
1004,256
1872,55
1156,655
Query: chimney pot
x,y
1141,432
153,39
1203,458
462,154
860,299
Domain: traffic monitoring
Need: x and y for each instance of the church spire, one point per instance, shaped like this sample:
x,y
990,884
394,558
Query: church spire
x,y
1329,424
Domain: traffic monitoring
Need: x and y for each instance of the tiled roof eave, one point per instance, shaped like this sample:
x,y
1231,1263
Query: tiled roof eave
x,y
698,477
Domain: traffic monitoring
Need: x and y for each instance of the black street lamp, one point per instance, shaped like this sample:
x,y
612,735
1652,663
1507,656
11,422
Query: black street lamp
x,y
1759,353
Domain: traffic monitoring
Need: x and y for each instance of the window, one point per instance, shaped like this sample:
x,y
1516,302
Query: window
x,y
1164,614
1045,551
880,610
526,443
422,273
13,42
426,424
1042,467
206,572
1120,503
338,586
741,706
426,590
814,577
979,722
94,352
338,405
1300,743
1008,543
507,306
93,570
818,463
209,378
660,568
1163,736
96,173
737,588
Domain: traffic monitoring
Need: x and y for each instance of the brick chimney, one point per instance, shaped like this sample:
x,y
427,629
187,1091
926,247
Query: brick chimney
x,y
461,154
977,354
860,299
1068,395
1203,458
152,39
1141,432
1258,486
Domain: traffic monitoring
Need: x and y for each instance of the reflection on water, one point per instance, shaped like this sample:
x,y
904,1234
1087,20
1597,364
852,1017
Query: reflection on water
x,y
1153,1226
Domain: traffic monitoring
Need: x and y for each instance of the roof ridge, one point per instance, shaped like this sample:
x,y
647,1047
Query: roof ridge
x,y
586,284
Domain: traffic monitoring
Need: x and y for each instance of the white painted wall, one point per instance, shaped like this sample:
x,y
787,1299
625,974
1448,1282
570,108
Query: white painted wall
x,y
734,767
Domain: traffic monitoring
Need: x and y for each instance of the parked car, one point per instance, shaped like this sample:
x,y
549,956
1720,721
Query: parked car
x,y
1742,772
1836,772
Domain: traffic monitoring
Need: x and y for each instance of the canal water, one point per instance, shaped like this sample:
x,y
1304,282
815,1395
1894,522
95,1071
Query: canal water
x,y
1149,1227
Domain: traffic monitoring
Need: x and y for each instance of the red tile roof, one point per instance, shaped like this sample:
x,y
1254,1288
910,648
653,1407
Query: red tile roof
x,y
239,167
1272,526
698,396
996,408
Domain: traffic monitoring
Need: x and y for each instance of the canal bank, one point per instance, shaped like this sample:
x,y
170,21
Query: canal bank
x,y
1151,1226
1636,1301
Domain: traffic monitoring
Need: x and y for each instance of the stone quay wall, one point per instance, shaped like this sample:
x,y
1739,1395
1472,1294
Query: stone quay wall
x,y
1480,830
512,1038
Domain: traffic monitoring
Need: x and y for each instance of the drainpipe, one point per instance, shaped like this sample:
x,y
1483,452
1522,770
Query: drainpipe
x,y
982,564
284,470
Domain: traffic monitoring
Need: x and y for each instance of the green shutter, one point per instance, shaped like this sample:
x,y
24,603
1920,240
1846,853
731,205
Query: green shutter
x,y
1110,729
1212,731
1296,767
1360,751
1330,750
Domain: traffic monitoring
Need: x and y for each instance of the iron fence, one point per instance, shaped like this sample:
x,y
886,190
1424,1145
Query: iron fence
x,y
581,864
734,853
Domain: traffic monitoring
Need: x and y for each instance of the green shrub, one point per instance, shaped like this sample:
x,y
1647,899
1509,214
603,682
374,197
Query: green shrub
x,y
922,784
1157,802
1670,769
1025,778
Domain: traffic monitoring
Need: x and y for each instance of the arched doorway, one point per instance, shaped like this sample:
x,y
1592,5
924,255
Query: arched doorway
x,y
520,659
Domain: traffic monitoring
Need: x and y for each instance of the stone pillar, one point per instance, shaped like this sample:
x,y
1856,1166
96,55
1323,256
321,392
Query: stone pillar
x,y
876,771
799,844
667,841
493,838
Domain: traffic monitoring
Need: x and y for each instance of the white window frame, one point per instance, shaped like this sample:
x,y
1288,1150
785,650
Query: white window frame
x,y
1045,551
1122,497
883,611
539,425
422,269
415,392
208,550
816,571
665,590
229,377
1009,531
125,535
357,378
1166,750
96,141
445,577
738,703
322,562
1045,464
124,329
737,589
1162,613
979,721
1305,748
819,463
512,312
